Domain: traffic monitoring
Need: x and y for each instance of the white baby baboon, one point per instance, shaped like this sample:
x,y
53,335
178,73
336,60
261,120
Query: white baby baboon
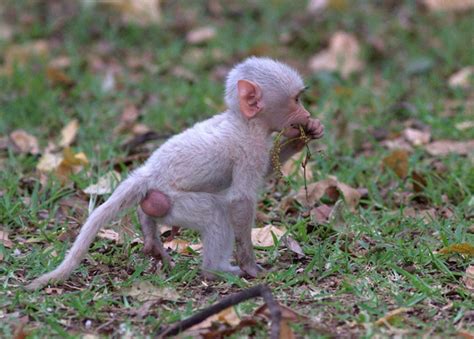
x,y
207,178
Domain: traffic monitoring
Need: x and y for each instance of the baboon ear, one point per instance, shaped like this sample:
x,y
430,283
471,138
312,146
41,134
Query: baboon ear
x,y
250,98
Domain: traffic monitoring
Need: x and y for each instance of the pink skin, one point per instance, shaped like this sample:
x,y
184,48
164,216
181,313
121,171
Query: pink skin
x,y
155,204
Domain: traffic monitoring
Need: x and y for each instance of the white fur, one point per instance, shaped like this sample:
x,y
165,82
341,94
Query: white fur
x,y
211,173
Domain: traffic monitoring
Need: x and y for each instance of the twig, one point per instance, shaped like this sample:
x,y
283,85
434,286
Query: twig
x,y
234,299
142,139
303,164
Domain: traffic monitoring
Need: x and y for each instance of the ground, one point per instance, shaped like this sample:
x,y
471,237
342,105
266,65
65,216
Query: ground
x,y
389,119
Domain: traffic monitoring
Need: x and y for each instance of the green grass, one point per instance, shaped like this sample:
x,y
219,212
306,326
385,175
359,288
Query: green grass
x,y
347,280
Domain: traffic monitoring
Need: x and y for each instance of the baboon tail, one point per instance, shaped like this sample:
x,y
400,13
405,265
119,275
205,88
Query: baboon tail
x,y
128,193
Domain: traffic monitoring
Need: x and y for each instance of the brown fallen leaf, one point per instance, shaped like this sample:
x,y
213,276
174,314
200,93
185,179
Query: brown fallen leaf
x,y
462,78
390,315
4,240
227,316
317,6
49,162
318,189
293,246
263,236
58,77
448,5
60,62
285,330
445,147
127,119
54,290
343,55
200,35
462,248
427,215
21,54
417,137
112,235
145,291
68,133
336,218
182,246
138,12
321,214
24,142
104,185
293,167
462,126
286,313
71,163
6,31
397,161
469,278
20,332
419,181
398,143
62,164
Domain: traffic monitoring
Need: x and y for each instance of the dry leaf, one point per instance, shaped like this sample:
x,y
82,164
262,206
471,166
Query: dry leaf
x,y
227,316
6,31
448,5
293,166
108,82
49,162
181,246
445,147
427,215
469,278
68,133
184,73
105,184
25,142
462,248
390,315
285,330
145,291
336,218
397,161
399,143
263,236
293,246
321,214
318,189
201,35
62,164
128,118
54,290
461,78
286,313
462,126
129,115
4,240
21,54
71,163
317,6
109,234
58,77
419,181
343,55
139,12
417,137
61,62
